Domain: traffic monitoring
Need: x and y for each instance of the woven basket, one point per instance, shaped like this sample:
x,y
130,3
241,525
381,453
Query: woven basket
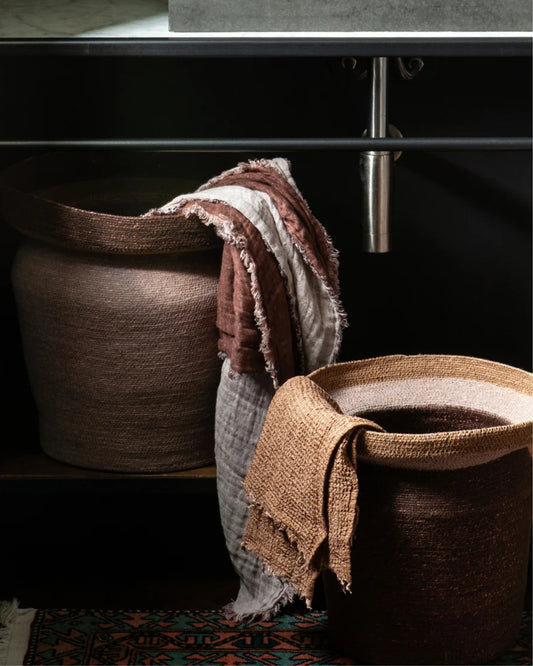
x,y
440,556
117,312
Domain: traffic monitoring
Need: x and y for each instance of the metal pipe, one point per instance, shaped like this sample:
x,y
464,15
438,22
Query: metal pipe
x,y
375,179
377,114
440,144
375,166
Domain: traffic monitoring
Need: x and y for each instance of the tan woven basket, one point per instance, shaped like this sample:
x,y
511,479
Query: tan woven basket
x,y
117,312
440,556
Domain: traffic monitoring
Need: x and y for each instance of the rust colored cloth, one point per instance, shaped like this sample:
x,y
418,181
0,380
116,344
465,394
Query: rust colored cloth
x,y
302,225
303,487
261,320
240,337
249,339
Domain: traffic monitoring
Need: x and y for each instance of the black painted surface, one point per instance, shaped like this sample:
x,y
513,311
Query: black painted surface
x,y
479,44
458,279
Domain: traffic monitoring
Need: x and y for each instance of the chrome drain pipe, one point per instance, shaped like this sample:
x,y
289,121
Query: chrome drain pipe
x,y
375,166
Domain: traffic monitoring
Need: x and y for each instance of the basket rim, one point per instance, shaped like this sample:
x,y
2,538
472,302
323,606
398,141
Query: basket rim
x,y
435,450
50,221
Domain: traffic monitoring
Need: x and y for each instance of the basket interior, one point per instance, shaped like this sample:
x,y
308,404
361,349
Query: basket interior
x,y
131,196
434,404
434,418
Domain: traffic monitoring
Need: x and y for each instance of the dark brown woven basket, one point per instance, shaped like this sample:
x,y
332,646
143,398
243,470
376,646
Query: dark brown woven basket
x,y
117,312
439,565
440,556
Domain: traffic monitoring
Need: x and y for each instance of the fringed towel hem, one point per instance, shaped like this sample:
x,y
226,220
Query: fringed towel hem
x,y
15,626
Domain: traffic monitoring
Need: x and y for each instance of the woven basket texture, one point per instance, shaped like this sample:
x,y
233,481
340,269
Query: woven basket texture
x,y
117,313
440,556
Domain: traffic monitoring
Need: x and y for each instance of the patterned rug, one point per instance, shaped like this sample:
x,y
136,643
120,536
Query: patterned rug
x,y
194,637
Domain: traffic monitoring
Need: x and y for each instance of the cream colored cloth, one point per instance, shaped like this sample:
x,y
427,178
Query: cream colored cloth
x,y
303,487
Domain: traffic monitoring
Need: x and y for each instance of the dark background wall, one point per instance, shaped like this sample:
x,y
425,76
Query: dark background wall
x,y
457,281
458,278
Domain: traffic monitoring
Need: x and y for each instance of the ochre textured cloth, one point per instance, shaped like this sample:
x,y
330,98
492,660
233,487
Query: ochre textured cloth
x,y
303,487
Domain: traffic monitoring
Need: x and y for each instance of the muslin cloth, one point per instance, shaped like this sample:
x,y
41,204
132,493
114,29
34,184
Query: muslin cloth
x,y
303,486
279,314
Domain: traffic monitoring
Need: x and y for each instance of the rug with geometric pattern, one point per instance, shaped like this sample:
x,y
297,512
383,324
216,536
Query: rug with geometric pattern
x,y
85,637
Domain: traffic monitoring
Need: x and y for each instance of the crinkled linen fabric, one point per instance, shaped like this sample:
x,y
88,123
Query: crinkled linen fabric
x,y
242,404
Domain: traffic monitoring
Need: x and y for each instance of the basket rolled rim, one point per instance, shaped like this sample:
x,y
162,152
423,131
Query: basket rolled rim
x,y
435,450
44,219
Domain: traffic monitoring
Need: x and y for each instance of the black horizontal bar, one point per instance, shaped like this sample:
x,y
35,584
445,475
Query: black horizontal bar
x,y
282,144
476,45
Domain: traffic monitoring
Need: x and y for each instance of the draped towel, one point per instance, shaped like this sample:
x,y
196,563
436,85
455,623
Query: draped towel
x,y
303,486
279,314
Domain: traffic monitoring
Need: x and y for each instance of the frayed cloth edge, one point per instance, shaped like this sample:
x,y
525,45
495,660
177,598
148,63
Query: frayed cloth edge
x,y
303,560
331,289
226,231
8,613
286,597
291,536
15,629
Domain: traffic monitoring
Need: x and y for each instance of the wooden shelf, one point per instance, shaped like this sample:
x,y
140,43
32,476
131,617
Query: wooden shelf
x,y
20,467
40,466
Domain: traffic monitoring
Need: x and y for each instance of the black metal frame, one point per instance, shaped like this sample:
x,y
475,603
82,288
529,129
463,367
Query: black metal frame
x,y
291,46
517,45
281,144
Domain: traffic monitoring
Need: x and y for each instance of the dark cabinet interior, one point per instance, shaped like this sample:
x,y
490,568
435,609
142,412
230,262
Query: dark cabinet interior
x,y
458,279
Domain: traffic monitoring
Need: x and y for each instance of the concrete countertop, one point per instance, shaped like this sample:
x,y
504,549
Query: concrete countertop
x,y
60,19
